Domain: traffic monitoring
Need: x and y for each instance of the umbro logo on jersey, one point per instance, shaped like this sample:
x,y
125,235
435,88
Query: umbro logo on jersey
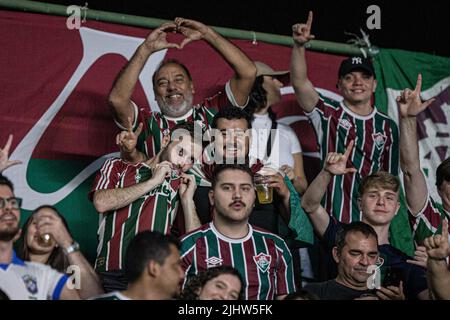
x,y
379,139
213,262
344,123
262,261
30,283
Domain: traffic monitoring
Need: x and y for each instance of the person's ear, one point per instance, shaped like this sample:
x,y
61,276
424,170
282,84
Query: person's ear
x,y
375,85
165,141
192,88
211,197
359,204
336,255
153,268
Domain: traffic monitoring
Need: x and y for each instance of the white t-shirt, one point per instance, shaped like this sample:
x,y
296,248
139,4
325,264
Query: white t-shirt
x,y
30,280
284,146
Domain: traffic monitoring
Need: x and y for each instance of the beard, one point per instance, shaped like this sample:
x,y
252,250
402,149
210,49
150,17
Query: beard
x,y
176,111
9,234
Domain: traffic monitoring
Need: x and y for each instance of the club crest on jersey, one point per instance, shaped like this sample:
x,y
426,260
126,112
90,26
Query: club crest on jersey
x,y
379,139
344,123
213,262
262,261
30,283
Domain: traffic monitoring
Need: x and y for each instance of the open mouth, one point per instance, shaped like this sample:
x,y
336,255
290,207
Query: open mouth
x,y
237,205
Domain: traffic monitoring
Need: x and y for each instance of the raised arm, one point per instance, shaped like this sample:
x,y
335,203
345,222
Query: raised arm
x,y
335,164
306,95
245,70
51,223
113,199
187,190
120,96
438,249
410,105
5,163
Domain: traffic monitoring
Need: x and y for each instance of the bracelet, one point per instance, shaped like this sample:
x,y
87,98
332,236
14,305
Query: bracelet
x,y
72,248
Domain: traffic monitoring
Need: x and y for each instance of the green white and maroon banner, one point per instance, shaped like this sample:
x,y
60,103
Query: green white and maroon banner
x,y
54,84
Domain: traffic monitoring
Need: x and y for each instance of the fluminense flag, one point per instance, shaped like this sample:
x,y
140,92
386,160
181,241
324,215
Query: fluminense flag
x,y
397,70
54,83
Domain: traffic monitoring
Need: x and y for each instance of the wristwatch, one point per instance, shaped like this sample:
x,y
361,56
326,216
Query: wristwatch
x,y
72,248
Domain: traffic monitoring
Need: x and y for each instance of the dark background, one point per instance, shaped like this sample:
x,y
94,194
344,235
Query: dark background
x,y
410,25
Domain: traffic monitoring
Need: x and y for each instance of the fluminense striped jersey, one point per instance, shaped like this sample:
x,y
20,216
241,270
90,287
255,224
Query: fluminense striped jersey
x,y
262,258
376,148
153,211
428,221
156,124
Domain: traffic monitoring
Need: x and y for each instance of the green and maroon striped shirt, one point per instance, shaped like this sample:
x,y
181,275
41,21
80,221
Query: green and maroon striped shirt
x,y
154,211
262,258
376,148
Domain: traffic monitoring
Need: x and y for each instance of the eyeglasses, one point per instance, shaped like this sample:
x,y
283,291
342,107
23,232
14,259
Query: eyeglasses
x,y
13,201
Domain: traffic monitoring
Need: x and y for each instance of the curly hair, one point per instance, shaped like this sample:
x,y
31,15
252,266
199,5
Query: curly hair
x,y
192,289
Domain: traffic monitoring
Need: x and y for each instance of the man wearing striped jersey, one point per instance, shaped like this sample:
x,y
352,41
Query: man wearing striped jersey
x,y
425,214
355,118
143,196
379,203
153,268
262,258
22,280
173,86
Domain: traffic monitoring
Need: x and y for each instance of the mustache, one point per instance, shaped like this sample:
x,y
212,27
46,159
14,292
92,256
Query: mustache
x,y
8,215
237,202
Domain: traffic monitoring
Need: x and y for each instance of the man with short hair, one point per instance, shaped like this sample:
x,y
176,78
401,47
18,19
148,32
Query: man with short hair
x,y
143,196
262,258
379,203
153,268
336,123
355,251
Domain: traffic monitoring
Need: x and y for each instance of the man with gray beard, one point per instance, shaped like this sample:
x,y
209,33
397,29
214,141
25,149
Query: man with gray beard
x,y
173,86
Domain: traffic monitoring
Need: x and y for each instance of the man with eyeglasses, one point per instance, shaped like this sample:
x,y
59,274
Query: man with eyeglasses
x,y
18,279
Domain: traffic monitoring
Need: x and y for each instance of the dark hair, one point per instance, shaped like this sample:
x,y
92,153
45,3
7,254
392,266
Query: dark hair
x,y
3,295
380,179
146,246
170,61
301,294
353,227
231,113
443,172
218,169
192,289
4,181
57,259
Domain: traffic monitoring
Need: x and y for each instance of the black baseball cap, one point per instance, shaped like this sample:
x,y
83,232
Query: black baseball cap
x,y
356,63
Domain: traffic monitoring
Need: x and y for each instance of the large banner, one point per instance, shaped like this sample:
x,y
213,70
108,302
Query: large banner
x,y
54,84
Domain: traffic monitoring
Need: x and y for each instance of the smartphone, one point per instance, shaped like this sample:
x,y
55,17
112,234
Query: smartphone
x,y
392,277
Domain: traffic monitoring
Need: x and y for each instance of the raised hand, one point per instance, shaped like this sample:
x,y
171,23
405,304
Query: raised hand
x,y
191,29
420,257
289,171
50,223
438,247
157,39
301,32
5,163
161,171
336,163
127,139
187,186
409,102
